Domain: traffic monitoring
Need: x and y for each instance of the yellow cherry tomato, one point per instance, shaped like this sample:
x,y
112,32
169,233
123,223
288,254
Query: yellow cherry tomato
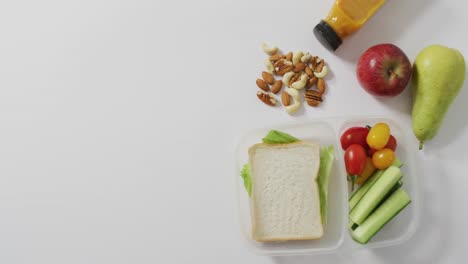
x,y
378,136
383,158
368,171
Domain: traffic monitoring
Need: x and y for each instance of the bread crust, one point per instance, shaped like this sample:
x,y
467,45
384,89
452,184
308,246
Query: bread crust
x,y
284,239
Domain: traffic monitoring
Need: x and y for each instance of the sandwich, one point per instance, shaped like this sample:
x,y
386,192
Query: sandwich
x,y
285,195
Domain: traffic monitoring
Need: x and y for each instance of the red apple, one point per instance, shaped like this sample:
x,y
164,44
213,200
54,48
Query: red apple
x,y
384,70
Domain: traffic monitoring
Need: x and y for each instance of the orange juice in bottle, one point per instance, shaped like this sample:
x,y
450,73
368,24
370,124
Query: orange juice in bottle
x,y
345,18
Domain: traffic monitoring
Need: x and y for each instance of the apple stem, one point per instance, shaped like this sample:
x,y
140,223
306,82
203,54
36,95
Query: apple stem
x,y
421,145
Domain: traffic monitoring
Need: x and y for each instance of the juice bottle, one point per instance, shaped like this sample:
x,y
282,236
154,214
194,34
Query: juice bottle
x,y
345,18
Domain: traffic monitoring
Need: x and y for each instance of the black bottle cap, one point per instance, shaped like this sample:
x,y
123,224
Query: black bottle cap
x,y
327,36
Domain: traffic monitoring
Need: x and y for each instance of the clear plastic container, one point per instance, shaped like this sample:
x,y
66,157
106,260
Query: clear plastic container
x,y
336,236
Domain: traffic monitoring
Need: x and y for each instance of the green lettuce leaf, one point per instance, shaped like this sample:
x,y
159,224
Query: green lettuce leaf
x,y
278,137
245,174
327,157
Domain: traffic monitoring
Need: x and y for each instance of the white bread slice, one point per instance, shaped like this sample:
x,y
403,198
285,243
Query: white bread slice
x,y
285,197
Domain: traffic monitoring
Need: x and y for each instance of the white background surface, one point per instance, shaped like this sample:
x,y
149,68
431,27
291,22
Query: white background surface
x,y
118,122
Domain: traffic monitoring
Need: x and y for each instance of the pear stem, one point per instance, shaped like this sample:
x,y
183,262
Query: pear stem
x,y
421,145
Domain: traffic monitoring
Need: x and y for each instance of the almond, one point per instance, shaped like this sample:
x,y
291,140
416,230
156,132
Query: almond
x,y
262,85
321,86
266,98
312,81
299,67
285,99
268,77
276,87
289,56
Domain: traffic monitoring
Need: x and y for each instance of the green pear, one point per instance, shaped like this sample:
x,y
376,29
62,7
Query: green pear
x,y
438,75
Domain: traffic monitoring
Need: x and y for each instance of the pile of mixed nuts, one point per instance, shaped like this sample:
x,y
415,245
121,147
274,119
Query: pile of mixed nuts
x,y
298,71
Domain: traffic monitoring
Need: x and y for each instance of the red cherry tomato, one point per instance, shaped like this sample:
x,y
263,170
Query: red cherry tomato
x,y
392,144
355,159
354,135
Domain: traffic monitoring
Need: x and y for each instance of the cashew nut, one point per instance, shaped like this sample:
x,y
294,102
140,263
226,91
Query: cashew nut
x,y
269,66
306,58
270,50
291,109
294,107
301,83
294,94
297,57
323,73
287,77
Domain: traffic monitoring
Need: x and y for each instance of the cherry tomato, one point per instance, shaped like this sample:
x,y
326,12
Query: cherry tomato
x,y
368,171
378,136
355,161
392,144
354,135
383,158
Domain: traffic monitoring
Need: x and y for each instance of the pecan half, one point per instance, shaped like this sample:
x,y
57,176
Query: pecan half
x,y
266,98
283,66
276,57
309,71
313,98
299,67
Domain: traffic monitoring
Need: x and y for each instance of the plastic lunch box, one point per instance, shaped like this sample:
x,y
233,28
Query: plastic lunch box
x,y
336,235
